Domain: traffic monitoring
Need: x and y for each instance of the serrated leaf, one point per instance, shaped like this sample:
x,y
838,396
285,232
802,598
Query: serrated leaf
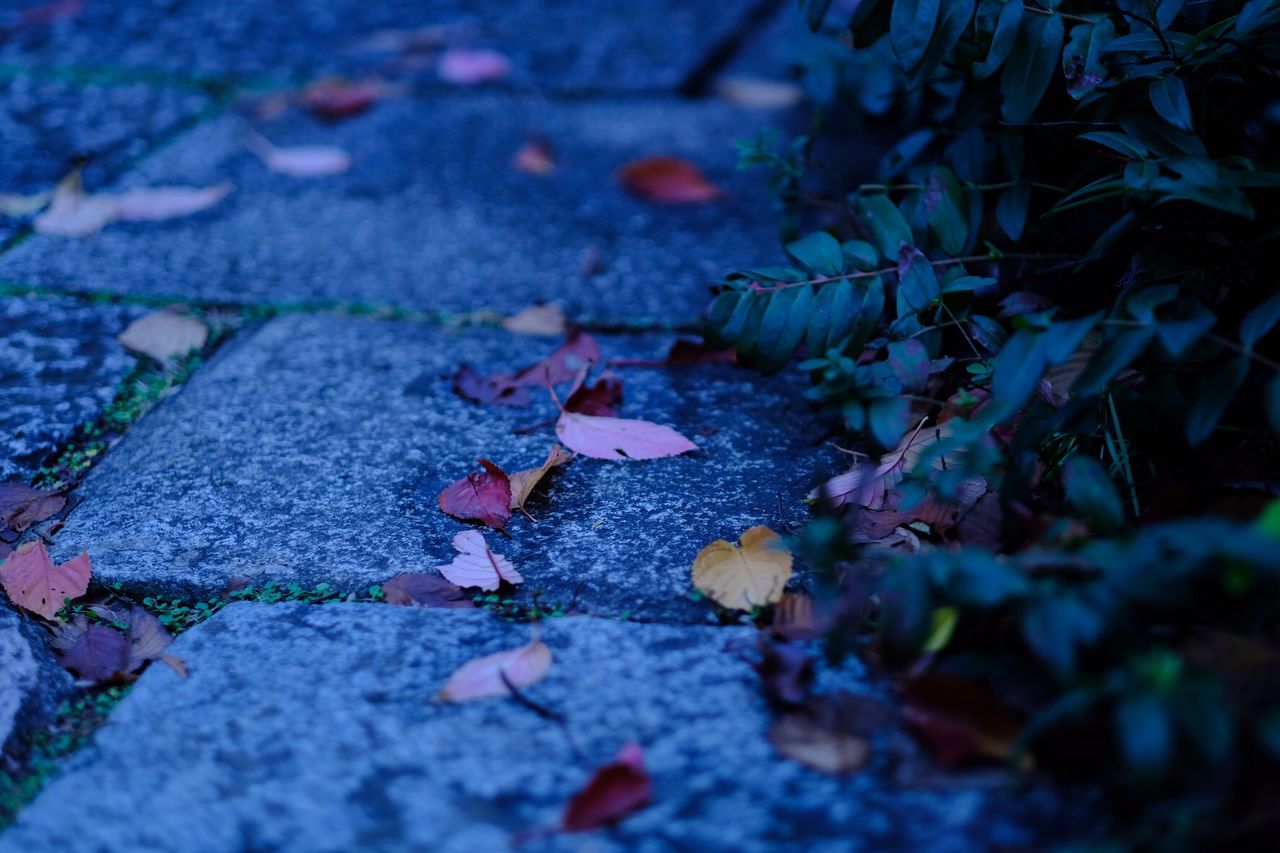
x,y
1031,66
742,578
819,252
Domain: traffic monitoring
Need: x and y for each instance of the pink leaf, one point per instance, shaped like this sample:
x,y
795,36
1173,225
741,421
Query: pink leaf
x,y
484,497
667,179
155,204
483,677
477,565
304,161
613,792
424,590
33,582
619,438
472,67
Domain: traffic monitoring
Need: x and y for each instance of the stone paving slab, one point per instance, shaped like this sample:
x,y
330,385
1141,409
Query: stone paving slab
x,y
602,44
31,684
47,124
314,449
434,215
304,728
60,364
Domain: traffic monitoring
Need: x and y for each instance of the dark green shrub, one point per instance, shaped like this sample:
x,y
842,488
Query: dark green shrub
x,y
1054,302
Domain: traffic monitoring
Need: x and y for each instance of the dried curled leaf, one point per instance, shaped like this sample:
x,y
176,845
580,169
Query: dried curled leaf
x,y
830,734
524,482
745,577
483,678
22,506
614,791
165,335
477,565
424,590
34,583
537,320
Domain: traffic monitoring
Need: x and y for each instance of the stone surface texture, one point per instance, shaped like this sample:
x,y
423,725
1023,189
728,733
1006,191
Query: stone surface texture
x,y
304,728
433,214
315,448
31,684
59,364
593,45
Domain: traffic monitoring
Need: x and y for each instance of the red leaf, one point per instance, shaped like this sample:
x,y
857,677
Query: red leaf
x,y
33,582
667,179
958,718
535,157
22,506
484,497
613,792
424,590
498,389
337,99
564,364
98,654
601,399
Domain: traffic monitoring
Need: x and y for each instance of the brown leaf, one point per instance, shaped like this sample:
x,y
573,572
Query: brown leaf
x,y
22,506
830,734
165,336
786,672
538,320
482,496
99,654
147,637
335,98
483,678
745,577
176,663
499,389
601,400
424,590
614,791
667,179
959,718
34,583
524,482
535,157
794,618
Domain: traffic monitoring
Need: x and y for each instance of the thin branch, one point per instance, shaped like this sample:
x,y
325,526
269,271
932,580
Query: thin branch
x,y
946,262
1065,16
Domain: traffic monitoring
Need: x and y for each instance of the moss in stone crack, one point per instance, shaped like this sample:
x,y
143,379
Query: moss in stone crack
x,y
41,752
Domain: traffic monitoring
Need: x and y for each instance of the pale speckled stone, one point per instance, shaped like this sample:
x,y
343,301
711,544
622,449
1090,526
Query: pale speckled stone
x,y
304,728
314,449
31,684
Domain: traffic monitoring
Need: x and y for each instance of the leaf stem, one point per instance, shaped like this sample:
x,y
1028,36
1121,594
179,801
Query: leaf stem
x,y
945,262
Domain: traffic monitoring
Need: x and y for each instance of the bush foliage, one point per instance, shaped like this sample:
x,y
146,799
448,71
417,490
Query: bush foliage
x,y
1051,306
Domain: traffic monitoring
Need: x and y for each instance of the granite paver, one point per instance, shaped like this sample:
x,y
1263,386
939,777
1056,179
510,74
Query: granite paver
x,y
314,728
314,449
434,215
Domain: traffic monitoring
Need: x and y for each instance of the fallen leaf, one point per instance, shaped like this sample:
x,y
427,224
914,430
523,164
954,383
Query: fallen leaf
x,y
99,654
469,67
147,638
619,438
538,320
480,496
524,482
33,582
477,565
304,161
498,389
745,577
176,663
667,179
74,213
601,400
335,98
794,618
683,353
579,351
12,204
614,791
959,718
786,672
482,678
156,204
759,93
535,157
424,590
165,336
870,487
22,506
831,733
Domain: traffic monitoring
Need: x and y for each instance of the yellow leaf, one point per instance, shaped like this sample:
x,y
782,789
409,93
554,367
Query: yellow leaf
x,y
524,482
745,577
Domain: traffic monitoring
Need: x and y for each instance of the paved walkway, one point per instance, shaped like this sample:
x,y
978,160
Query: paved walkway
x,y
311,447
